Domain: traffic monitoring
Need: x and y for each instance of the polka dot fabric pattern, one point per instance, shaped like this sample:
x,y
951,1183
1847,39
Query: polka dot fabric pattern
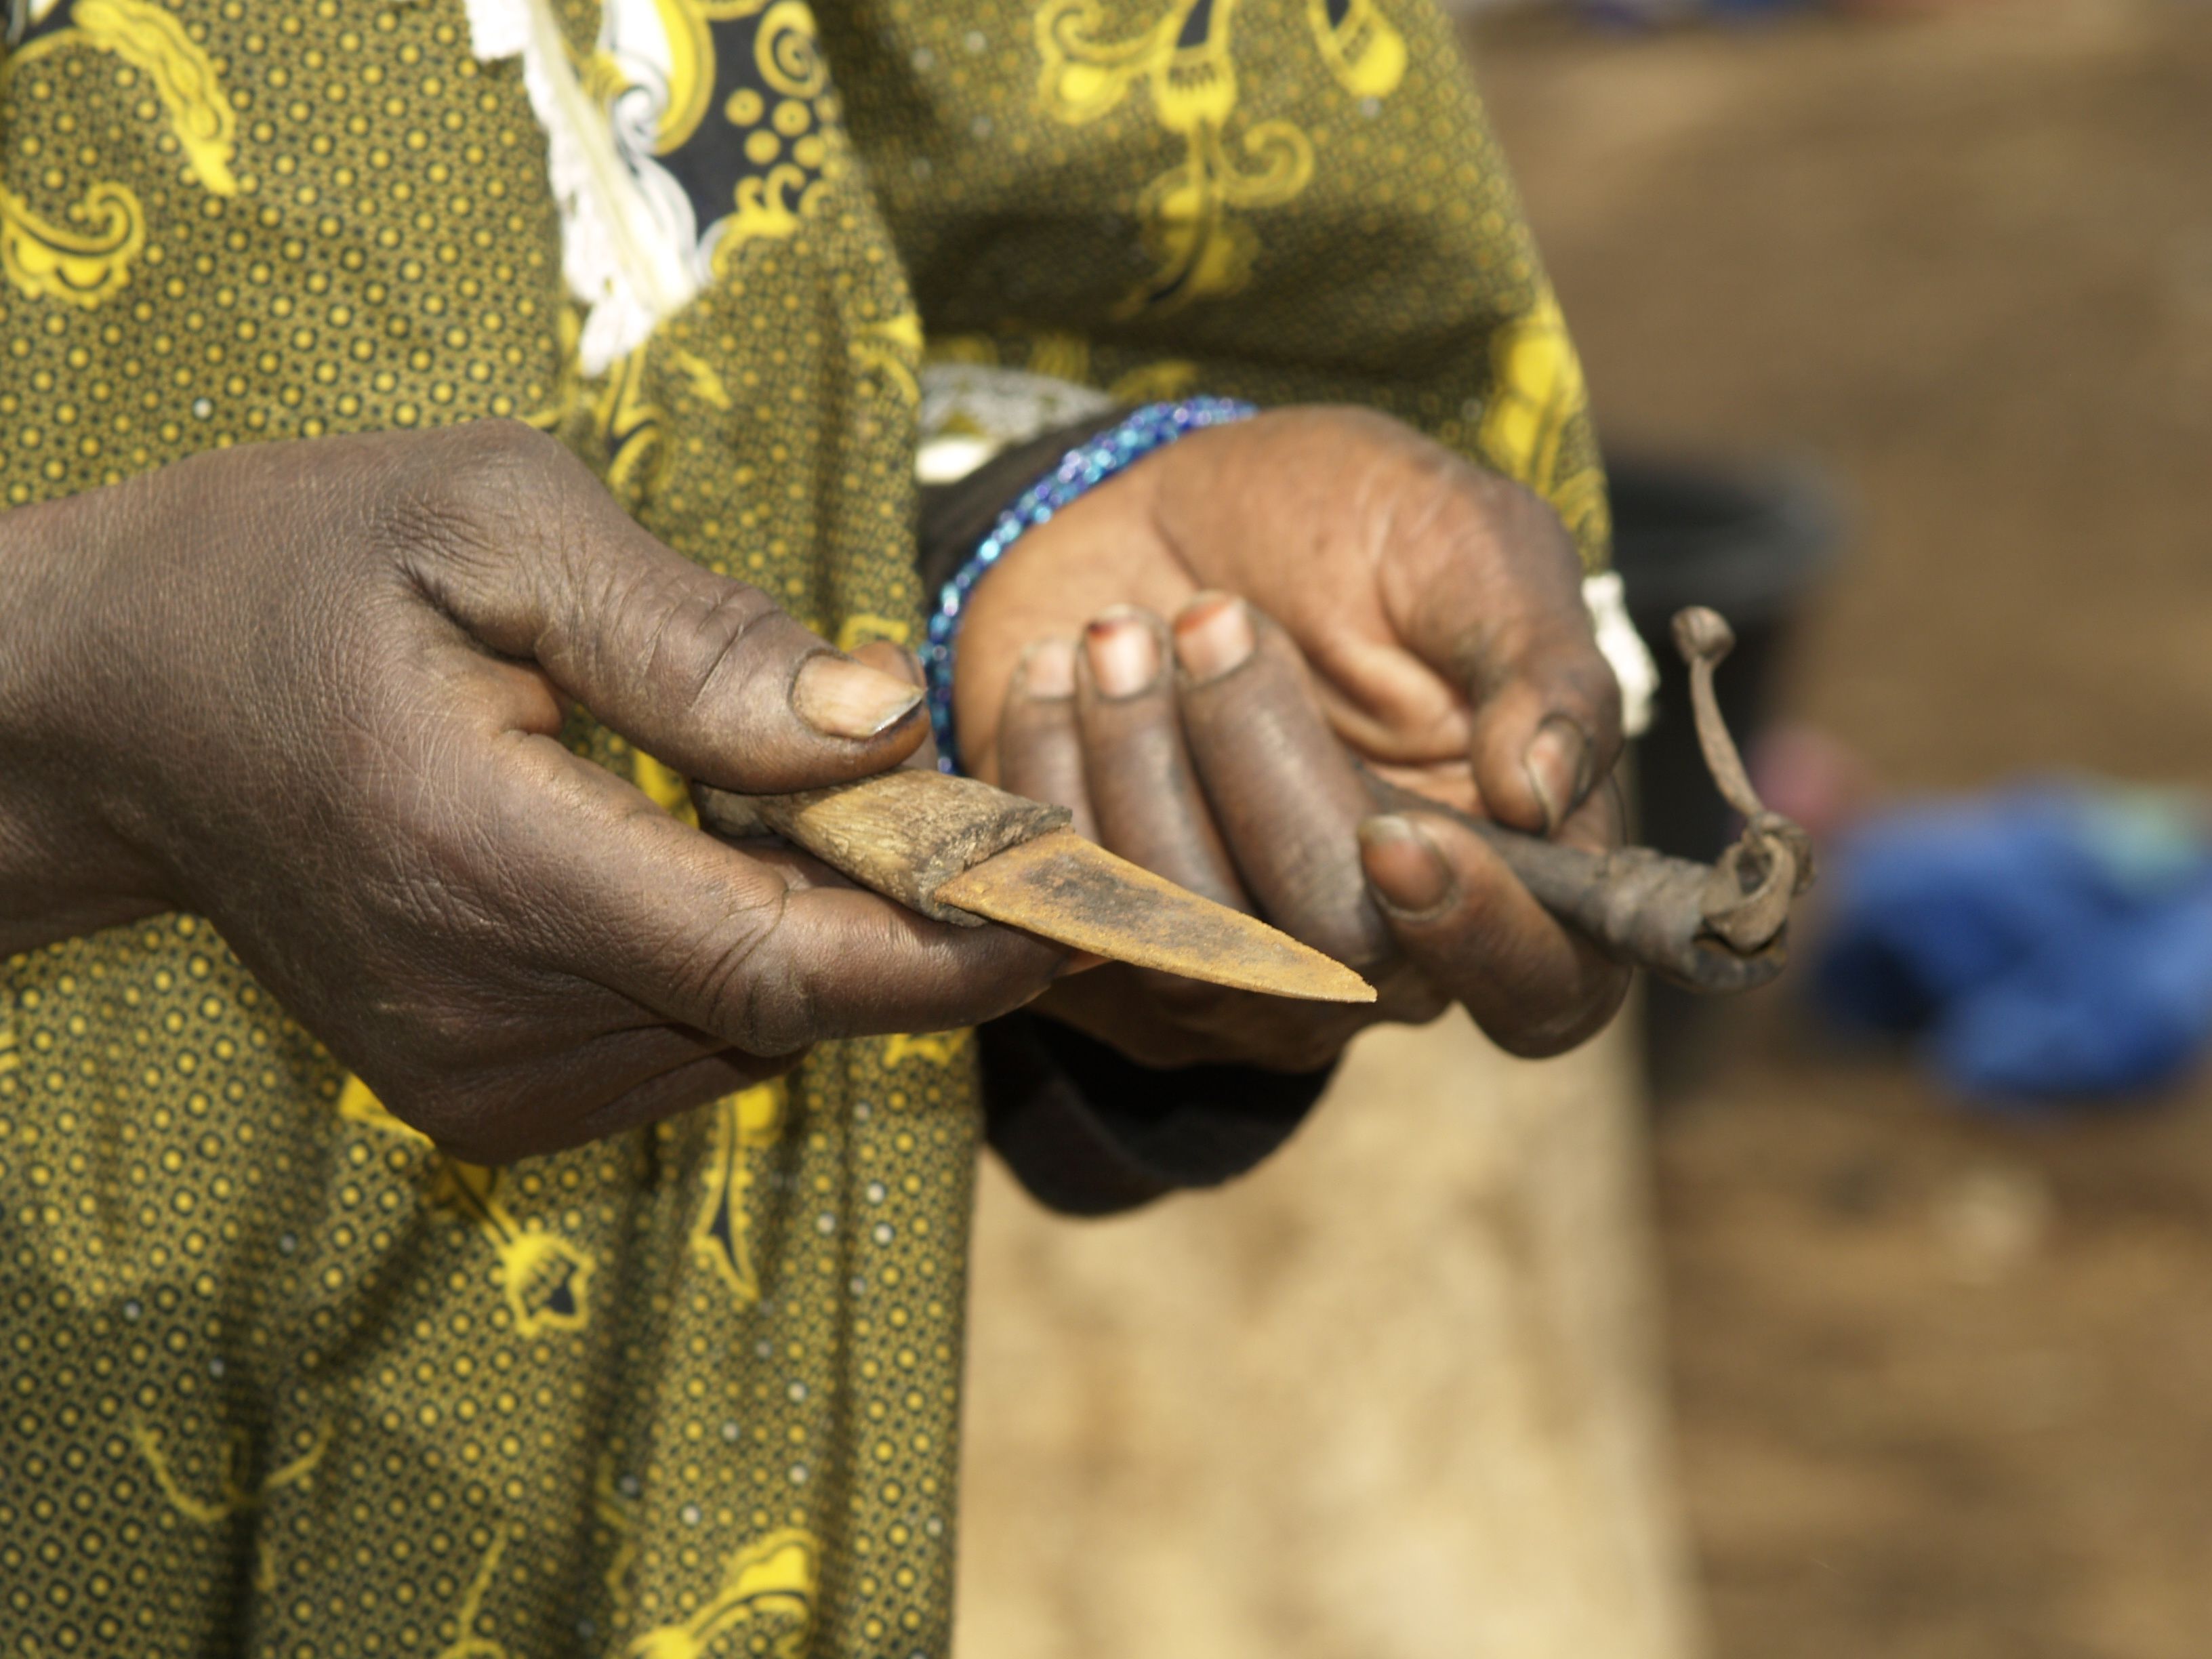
x,y
279,1377
377,250
1285,201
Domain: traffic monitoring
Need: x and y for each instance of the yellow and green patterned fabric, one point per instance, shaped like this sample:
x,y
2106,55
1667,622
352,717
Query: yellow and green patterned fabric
x,y
276,1377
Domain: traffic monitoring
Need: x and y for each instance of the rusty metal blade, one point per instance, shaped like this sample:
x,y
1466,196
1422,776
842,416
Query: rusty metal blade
x,y
1077,892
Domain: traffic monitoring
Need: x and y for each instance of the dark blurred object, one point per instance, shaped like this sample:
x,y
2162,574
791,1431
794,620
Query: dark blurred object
x,y
2051,942
1754,543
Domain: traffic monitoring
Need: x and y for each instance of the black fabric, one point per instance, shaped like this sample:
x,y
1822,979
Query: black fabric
x,y
1085,1129
957,516
1090,1131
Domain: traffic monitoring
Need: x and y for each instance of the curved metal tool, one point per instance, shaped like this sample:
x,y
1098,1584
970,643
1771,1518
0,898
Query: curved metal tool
x,y
1712,928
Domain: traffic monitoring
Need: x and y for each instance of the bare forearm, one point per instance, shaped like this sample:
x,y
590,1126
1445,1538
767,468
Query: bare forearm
x,y
63,869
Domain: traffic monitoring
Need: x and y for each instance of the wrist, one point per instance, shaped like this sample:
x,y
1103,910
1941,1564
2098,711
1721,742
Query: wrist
x,y
1099,468
66,867
1087,560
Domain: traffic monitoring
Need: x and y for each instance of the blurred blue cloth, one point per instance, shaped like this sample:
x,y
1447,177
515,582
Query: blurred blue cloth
x,y
2050,941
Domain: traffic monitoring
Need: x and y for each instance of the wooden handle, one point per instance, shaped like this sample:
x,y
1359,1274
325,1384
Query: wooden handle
x,y
901,834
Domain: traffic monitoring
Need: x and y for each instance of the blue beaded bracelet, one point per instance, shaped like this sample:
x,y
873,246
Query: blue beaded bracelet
x,y
1081,470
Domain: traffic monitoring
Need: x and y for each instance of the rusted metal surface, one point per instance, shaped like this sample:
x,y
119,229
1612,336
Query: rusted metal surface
x,y
1717,928
1748,904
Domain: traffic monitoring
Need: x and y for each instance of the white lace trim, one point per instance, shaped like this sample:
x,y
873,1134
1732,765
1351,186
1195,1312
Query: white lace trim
x,y
971,411
620,256
1623,650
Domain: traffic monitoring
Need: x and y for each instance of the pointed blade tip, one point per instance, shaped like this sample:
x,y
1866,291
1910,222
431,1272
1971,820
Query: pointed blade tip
x,y
1075,892
1307,981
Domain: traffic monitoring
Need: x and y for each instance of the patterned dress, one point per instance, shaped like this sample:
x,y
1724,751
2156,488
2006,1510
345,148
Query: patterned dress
x,y
276,1375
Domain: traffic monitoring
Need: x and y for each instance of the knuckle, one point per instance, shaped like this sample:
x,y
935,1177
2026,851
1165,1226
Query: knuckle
x,y
1517,519
750,997
1464,505
1547,1033
478,489
707,648
497,462
431,1036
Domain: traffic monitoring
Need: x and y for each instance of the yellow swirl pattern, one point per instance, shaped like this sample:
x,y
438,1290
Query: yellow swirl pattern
x,y
546,1279
233,1495
1192,215
768,1590
690,72
1362,49
629,425
786,52
769,206
1540,393
782,116
936,1047
152,40
81,261
889,351
466,1644
721,1236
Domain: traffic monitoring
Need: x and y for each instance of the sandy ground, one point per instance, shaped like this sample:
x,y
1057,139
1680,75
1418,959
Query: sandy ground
x,y
1394,1395
1944,1386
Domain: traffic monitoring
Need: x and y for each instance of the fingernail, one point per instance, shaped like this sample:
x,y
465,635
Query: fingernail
x,y
1403,865
846,699
1079,961
887,657
1212,635
1557,757
1125,657
1048,669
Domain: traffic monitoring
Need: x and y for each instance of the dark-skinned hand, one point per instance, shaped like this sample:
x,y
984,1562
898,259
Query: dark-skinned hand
x,y
314,692
1204,755
1440,609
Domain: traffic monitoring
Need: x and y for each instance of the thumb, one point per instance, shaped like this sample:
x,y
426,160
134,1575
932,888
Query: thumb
x,y
1496,607
535,559
1546,723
